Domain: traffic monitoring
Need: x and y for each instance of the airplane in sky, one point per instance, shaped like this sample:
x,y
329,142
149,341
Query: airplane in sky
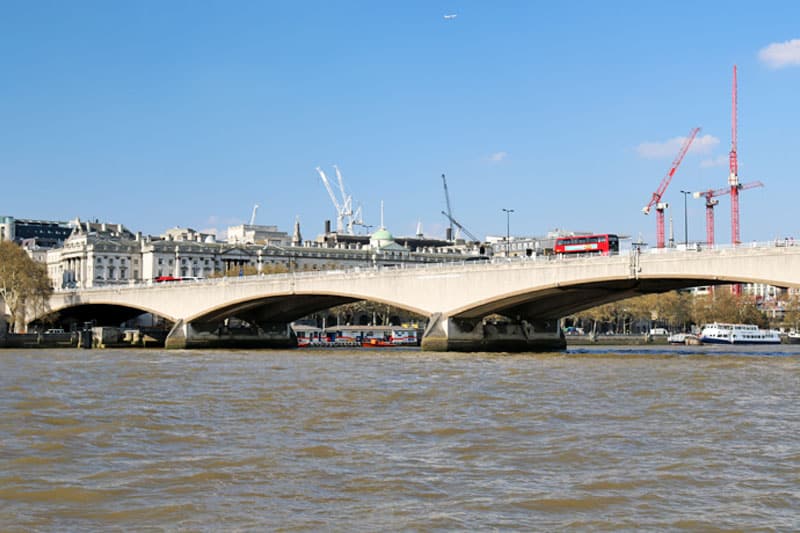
x,y
450,17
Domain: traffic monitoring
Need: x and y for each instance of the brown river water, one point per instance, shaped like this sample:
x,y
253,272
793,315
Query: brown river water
x,y
633,438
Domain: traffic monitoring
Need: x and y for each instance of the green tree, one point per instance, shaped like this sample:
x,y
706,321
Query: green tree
x,y
24,285
724,306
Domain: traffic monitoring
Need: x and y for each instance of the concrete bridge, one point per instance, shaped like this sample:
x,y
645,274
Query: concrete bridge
x,y
534,293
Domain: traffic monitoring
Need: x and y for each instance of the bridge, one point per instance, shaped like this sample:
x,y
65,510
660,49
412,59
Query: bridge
x,y
533,293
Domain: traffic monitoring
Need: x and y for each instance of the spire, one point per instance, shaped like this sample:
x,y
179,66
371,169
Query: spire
x,y
419,229
297,238
382,226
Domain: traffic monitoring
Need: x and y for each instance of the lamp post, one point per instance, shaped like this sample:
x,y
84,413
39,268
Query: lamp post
x,y
508,230
685,219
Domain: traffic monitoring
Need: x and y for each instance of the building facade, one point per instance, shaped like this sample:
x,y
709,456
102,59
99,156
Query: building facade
x,y
96,254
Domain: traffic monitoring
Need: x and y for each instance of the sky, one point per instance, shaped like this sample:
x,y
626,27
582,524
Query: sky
x,y
188,113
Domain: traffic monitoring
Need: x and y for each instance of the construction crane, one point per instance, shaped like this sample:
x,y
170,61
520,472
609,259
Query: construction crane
x,y
449,213
453,221
344,208
347,200
461,228
253,216
733,160
711,201
655,201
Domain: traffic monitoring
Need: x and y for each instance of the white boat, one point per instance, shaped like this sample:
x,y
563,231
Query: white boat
x,y
793,338
683,338
718,333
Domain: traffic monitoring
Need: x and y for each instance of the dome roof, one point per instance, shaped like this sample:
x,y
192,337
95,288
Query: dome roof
x,y
381,238
382,234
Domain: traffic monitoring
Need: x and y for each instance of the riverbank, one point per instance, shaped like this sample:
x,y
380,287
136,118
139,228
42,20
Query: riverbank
x,y
626,340
98,337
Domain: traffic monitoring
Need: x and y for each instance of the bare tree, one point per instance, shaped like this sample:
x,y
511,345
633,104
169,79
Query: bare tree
x,y
24,285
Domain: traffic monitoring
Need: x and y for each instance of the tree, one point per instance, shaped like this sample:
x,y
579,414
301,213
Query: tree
x,y
723,306
24,285
791,317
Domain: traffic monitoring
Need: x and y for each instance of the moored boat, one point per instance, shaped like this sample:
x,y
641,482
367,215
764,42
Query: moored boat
x,y
719,333
793,338
683,338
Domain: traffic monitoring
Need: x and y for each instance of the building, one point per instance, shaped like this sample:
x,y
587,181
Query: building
x,y
256,234
41,233
100,254
528,246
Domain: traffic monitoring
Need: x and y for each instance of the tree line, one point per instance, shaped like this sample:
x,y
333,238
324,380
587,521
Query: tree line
x,y
680,310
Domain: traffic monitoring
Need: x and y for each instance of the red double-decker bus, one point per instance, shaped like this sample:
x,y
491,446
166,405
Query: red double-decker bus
x,y
587,244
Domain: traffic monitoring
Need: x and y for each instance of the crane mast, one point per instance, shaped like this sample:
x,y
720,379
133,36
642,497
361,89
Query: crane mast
x,y
449,213
347,202
655,200
733,177
339,215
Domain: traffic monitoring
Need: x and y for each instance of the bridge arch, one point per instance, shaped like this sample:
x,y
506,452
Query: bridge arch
x,y
557,300
287,306
104,313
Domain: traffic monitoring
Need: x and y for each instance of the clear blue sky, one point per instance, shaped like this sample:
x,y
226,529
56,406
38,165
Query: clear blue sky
x,y
186,113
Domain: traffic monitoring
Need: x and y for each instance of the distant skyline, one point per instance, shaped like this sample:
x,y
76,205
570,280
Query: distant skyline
x,y
157,115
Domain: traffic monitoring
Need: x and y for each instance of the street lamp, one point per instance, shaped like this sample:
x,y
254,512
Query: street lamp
x,y
685,220
508,230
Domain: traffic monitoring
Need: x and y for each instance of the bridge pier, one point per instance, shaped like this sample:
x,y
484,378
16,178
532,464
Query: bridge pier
x,y
192,335
450,334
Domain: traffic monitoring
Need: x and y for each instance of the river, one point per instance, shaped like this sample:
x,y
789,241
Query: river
x,y
654,438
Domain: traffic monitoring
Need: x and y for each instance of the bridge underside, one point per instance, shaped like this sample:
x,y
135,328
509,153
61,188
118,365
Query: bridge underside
x,y
531,321
98,314
562,301
267,321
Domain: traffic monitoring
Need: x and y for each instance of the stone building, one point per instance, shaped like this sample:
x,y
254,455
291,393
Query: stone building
x,y
96,254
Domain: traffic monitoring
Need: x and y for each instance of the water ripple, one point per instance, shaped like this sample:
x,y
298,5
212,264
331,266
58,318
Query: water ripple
x,y
601,439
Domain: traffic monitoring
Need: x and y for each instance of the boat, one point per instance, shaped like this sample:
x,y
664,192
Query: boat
x,y
378,343
355,336
793,337
683,338
719,333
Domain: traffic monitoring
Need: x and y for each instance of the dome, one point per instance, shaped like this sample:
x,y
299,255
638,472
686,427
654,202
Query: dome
x,y
381,238
382,234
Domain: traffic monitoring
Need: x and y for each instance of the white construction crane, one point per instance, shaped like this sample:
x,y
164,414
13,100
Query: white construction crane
x,y
345,218
253,216
453,222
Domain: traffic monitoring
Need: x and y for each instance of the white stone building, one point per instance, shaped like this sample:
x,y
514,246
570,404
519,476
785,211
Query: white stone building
x,y
108,254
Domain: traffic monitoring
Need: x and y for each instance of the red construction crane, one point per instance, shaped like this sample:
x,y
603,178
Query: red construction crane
x,y
656,199
733,177
711,200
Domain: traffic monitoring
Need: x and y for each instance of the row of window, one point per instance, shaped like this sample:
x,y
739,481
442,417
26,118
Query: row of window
x,y
111,260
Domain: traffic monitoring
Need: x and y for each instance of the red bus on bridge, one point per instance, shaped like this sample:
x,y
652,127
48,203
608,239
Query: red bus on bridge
x,y
605,244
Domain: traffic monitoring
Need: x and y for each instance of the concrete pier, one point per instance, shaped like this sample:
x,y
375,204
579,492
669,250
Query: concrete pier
x,y
190,335
448,334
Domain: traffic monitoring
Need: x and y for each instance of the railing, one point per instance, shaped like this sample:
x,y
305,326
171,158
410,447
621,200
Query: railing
x,y
497,262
